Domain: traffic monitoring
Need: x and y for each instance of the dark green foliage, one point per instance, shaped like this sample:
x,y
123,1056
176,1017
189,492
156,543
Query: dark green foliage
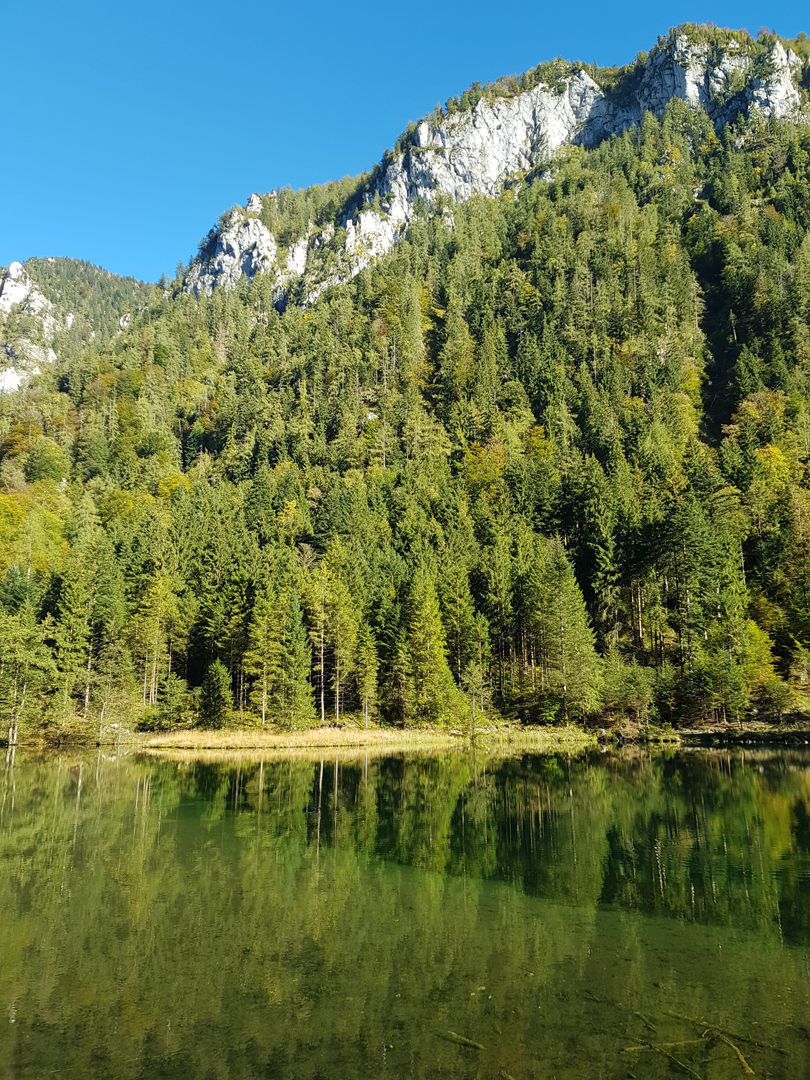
x,y
216,699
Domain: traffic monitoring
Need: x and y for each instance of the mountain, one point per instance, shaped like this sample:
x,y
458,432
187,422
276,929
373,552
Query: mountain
x,y
541,450
493,136
59,304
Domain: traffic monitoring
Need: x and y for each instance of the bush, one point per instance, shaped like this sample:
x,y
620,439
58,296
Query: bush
x,y
776,699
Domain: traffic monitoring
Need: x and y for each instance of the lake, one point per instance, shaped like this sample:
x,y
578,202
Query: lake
x,y
608,915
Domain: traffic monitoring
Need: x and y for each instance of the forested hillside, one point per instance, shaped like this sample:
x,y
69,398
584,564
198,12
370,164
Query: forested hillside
x,y
62,305
548,458
97,299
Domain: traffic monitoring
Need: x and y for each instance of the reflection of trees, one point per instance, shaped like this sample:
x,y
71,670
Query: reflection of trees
x,y
312,905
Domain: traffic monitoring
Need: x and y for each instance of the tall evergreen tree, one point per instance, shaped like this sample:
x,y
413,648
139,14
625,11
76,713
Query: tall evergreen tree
x,y
434,692
216,697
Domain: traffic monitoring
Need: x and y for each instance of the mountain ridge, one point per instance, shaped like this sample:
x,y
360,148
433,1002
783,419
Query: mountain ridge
x,y
459,152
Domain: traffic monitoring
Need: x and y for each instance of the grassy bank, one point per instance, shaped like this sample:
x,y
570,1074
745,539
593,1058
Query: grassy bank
x,y
502,738
377,740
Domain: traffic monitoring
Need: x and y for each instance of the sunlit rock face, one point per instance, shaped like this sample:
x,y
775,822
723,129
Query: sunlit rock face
x,y
242,247
17,290
478,151
23,358
724,83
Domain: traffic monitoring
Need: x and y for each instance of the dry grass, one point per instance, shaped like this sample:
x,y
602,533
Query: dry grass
x,y
352,742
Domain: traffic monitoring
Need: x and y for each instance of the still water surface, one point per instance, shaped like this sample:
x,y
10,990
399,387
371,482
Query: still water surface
x,y
322,919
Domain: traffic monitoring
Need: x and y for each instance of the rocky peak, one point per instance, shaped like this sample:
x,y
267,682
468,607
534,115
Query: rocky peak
x,y
459,154
242,247
723,80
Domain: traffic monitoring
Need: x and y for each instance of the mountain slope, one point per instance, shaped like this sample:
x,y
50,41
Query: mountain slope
x,y
548,457
503,136
59,304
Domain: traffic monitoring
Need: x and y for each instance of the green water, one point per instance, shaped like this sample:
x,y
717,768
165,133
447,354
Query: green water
x,y
304,919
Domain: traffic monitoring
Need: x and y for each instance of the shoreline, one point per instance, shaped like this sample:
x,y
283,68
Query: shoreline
x,y
502,739
380,740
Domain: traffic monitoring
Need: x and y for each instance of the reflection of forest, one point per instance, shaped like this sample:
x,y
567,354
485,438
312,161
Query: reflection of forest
x,y
713,837
304,918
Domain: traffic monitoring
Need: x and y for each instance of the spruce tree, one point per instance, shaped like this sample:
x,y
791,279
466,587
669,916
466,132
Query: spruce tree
x,y
216,697
318,593
458,611
572,663
262,656
292,692
366,667
27,671
72,631
563,640
434,692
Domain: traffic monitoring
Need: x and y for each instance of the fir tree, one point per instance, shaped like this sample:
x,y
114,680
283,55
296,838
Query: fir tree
x,y
292,691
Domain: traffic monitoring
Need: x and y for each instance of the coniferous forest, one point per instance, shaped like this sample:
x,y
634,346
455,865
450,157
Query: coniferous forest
x,y
549,459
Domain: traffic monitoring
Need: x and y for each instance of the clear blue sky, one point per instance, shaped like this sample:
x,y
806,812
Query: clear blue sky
x,y
127,128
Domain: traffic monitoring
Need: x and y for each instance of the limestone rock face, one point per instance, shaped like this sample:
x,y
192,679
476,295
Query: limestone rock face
x,y
776,94
242,247
723,84
10,380
477,151
25,357
17,288
474,152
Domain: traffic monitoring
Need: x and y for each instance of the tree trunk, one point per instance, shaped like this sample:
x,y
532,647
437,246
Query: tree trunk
x,y
323,673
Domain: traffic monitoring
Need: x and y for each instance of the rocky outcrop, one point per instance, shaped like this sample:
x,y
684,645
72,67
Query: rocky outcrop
x,y
477,151
43,299
19,294
775,93
241,247
723,83
17,290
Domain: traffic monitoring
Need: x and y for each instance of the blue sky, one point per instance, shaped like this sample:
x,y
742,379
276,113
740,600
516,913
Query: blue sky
x,y
128,128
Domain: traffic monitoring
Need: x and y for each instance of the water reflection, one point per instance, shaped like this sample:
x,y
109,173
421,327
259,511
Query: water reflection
x,y
340,918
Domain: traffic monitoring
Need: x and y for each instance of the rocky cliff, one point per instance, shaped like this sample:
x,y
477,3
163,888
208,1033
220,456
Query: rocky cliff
x,y
22,353
462,153
56,305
